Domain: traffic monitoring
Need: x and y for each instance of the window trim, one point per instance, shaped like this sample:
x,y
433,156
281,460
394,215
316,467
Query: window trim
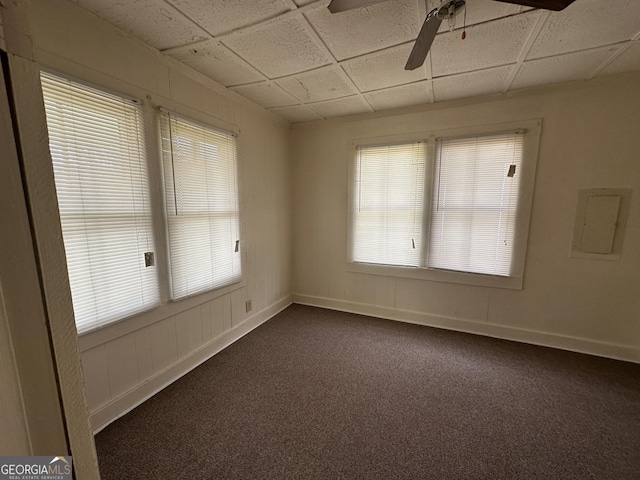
x,y
531,143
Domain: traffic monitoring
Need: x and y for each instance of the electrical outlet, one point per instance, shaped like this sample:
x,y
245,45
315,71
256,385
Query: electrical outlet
x,y
247,306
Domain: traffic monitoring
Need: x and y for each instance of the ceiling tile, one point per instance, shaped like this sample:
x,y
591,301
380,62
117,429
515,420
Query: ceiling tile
x,y
217,62
413,94
483,82
152,21
486,45
628,61
220,17
270,53
322,84
296,113
587,24
266,94
343,106
362,30
279,48
562,68
383,69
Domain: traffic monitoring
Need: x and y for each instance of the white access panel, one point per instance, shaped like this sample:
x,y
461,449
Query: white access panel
x,y
601,218
599,224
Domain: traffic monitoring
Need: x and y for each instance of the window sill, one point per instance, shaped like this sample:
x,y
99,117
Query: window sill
x,y
444,276
167,309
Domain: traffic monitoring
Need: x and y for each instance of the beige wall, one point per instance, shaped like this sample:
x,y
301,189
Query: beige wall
x,y
15,435
590,139
13,419
129,361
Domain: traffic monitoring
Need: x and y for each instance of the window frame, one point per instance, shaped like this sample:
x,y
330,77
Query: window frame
x,y
165,307
531,141
145,152
426,191
195,119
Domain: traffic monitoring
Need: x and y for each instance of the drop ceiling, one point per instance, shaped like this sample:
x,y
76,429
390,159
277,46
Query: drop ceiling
x,y
303,63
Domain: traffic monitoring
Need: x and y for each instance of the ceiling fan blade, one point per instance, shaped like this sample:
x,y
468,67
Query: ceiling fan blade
x,y
556,5
337,6
423,42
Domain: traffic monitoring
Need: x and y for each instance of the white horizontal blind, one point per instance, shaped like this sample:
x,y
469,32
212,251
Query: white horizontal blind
x,y
201,191
388,204
475,200
99,160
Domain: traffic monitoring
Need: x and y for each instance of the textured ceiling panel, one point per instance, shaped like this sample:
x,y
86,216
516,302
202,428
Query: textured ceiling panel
x,y
267,95
413,94
587,24
471,84
628,61
486,45
343,106
563,68
297,113
383,69
152,21
217,62
323,84
219,17
363,30
279,48
339,64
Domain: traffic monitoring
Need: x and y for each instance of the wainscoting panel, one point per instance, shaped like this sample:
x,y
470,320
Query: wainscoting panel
x,y
110,400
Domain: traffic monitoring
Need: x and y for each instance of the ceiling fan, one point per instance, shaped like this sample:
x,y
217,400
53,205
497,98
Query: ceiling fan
x,y
435,17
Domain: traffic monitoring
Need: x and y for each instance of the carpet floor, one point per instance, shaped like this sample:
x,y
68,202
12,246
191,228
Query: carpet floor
x,y
320,394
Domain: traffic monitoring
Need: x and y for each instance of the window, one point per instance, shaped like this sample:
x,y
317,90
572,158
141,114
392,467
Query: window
x,y
201,192
387,218
473,211
100,161
451,208
97,146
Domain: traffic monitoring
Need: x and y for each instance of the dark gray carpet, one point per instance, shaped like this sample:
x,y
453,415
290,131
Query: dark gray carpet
x,y
318,394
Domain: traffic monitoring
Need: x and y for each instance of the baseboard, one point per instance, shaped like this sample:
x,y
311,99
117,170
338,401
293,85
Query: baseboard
x,y
122,405
581,345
